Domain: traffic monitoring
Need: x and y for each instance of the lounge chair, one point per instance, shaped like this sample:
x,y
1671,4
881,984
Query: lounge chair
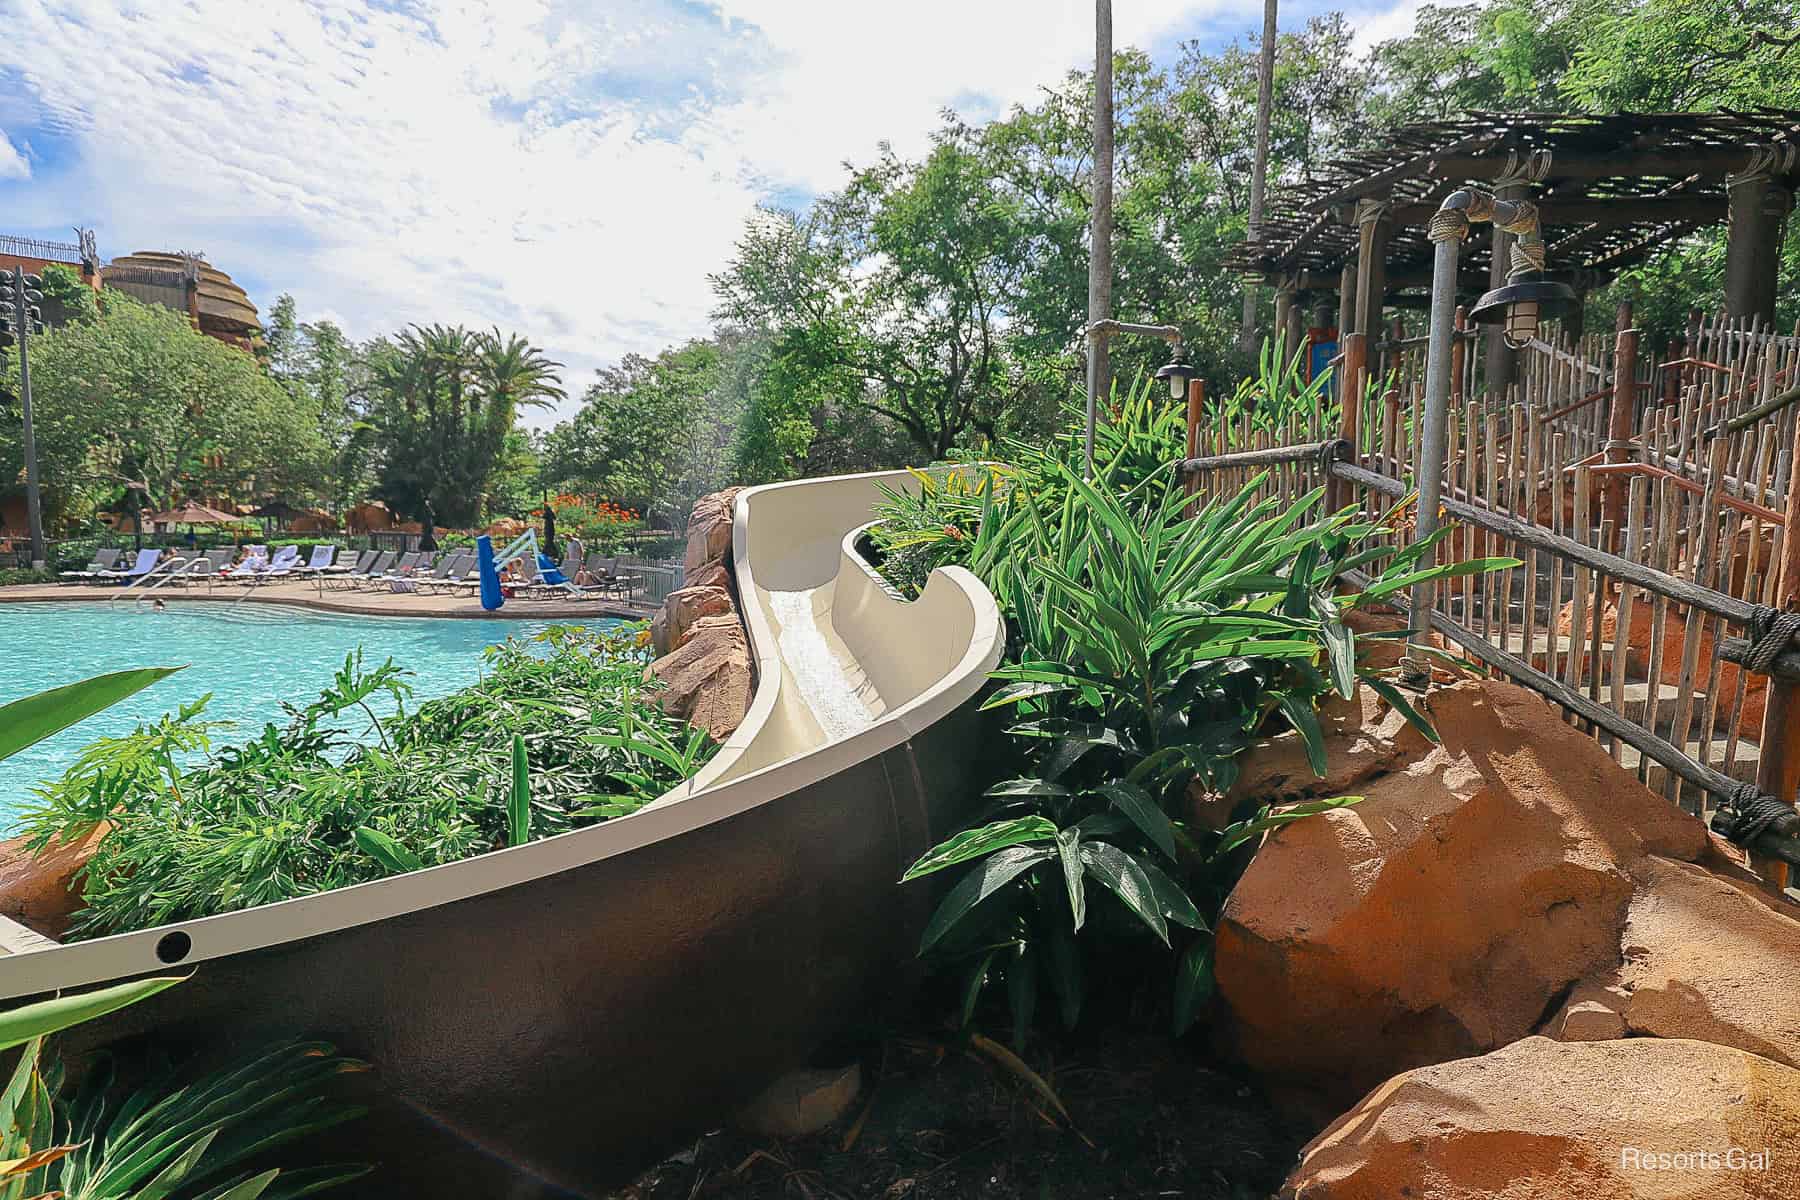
x,y
105,559
145,563
450,574
343,575
258,571
202,568
365,573
409,562
285,563
547,579
322,557
251,568
338,566
428,580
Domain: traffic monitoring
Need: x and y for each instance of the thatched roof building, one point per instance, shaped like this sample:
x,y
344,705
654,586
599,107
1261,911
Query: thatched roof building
x,y
187,283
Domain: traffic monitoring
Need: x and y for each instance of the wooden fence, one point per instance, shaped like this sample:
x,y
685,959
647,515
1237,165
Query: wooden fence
x,y
1647,562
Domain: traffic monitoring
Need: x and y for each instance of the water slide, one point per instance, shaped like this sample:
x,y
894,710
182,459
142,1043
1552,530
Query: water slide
x,y
547,1018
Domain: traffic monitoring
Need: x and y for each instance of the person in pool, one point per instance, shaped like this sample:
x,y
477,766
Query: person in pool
x,y
158,606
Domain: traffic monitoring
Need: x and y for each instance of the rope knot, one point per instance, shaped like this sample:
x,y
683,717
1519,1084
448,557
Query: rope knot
x,y
1772,630
1749,814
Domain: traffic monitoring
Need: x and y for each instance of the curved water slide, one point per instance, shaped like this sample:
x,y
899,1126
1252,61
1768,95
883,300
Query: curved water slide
x,y
545,1019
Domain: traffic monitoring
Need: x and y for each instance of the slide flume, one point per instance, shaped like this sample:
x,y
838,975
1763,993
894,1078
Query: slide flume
x,y
547,1018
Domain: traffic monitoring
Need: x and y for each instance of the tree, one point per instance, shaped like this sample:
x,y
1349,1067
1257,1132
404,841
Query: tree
x,y
442,401
319,367
891,295
136,399
651,433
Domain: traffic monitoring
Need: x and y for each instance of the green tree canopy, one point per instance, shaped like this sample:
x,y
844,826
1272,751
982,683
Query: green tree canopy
x,y
442,401
134,398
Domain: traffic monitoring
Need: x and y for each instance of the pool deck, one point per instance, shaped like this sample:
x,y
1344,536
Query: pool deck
x,y
359,603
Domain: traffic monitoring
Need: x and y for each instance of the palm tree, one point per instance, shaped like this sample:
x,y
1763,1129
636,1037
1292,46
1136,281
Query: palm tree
x,y
451,398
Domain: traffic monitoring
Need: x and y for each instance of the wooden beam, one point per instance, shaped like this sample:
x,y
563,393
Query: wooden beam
x,y
1459,162
1606,213
1626,255
1418,165
1716,162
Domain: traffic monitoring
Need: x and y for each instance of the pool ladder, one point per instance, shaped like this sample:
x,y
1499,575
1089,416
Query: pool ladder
x,y
180,568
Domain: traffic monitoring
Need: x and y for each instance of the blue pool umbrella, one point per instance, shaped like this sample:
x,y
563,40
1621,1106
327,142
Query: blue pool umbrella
x,y
491,599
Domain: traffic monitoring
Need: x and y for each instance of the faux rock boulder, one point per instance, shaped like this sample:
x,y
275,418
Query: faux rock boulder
x,y
41,891
709,679
674,622
1451,912
1642,1119
709,529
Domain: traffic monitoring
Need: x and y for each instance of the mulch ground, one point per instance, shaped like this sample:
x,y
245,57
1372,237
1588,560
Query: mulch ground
x,y
941,1117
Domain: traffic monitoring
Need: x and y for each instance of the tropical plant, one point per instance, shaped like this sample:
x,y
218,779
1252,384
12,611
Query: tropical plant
x,y
558,735
443,401
30,719
170,1138
1151,647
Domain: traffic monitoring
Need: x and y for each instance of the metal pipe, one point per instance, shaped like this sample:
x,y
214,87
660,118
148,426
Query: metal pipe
x,y
1681,591
1097,334
1447,232
1648,744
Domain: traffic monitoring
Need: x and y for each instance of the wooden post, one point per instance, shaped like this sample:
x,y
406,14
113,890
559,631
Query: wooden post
x,y
1349,381
1574,323
1778,769
1757,207
1374,228
1346,321
1196,406
1459,360
1284,306
1622,417
1296,328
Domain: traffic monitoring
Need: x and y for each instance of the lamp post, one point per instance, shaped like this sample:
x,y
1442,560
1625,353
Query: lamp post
x,y
21,317
1177,371
1528,296
1097,334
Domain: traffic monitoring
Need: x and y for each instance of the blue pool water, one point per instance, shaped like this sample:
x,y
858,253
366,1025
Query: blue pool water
x,y
249,657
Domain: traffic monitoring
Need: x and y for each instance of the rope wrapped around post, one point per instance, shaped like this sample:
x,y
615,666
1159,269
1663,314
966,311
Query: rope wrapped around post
x,y
1760,822
1772,630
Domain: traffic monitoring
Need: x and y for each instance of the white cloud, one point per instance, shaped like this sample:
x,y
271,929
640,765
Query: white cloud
x,y
12,163
569,169
1373,26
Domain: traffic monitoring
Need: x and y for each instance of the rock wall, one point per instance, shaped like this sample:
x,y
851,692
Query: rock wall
x,y
703,658
1546,1120
1443,948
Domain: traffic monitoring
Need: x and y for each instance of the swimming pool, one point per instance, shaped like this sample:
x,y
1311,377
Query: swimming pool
x,y
250,657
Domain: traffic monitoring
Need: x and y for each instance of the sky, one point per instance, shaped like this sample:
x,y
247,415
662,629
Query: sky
x,y
569,169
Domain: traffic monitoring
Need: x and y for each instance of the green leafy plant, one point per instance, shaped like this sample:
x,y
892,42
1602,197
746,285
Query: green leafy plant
x,y
30,719
560,733
170,1138
29,1146
1151,646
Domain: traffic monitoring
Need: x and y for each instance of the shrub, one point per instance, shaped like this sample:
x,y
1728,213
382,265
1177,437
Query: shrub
x,y
19,576
1149,648
300,809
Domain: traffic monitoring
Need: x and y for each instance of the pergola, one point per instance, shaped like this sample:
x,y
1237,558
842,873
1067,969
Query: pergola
x,y
1611,190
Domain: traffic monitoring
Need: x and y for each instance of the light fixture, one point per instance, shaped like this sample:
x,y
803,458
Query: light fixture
x,y
1178,371
1527,298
